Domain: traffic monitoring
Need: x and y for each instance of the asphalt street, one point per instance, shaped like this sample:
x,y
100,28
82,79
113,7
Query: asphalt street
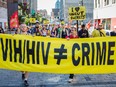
x,y
10,78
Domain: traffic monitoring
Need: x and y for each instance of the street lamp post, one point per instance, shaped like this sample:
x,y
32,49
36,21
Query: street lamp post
x,y
82,5
82,2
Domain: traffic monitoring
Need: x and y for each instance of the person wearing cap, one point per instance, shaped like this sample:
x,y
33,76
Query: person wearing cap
x,y
113,33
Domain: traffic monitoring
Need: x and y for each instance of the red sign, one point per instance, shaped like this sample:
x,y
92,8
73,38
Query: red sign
x,y
14,23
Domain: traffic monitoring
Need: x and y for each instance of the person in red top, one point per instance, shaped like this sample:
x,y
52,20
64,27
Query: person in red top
x,y
73,35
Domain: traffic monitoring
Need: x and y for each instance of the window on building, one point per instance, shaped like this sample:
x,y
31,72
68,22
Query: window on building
x,y
95,3
113,1
98,3
106,2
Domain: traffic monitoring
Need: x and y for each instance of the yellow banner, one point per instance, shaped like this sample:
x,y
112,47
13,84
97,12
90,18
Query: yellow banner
x,y
77,13
53,55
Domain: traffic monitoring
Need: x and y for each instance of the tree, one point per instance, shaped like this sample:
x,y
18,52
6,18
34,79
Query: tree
x,y
23,10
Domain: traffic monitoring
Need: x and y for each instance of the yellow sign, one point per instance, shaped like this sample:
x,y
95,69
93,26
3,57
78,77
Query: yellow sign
x,y
46,22
77,13
54,55
40,19
32,20
62,22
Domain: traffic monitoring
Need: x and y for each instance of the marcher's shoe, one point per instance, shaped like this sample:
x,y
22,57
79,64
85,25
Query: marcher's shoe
x,y
23,76
70,80
26,83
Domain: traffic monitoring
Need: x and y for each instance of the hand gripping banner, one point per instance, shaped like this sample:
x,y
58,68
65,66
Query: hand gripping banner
x,y
53,55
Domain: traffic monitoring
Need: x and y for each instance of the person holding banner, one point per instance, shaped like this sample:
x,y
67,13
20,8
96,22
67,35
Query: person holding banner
x,y
1,30
113,33
44,31
99,32
37,30
73,35
83,33
25,74
64,32
53,32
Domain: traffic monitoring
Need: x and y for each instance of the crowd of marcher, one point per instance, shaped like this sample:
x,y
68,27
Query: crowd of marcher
x,y
58,31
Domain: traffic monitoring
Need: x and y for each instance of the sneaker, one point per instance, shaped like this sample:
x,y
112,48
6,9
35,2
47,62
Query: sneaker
x,y
70,80
26,83
74,80
23,76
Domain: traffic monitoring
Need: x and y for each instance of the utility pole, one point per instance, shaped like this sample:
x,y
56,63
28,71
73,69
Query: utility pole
x,y
77,20
82,5
82,2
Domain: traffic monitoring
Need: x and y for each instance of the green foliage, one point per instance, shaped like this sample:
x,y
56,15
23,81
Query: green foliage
x,y
25,15
21,19
23,12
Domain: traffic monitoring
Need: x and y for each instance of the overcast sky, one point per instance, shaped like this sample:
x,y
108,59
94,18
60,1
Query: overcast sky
x,y
46,4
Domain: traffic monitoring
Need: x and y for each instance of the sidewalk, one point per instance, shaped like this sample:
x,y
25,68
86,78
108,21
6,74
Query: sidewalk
x,y
13,79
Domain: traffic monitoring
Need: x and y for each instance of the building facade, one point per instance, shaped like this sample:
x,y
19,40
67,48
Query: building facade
x,y
55,16
55,13
57,4
104,12
65,4
89,4
43,13
32,4
3,13
61,10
